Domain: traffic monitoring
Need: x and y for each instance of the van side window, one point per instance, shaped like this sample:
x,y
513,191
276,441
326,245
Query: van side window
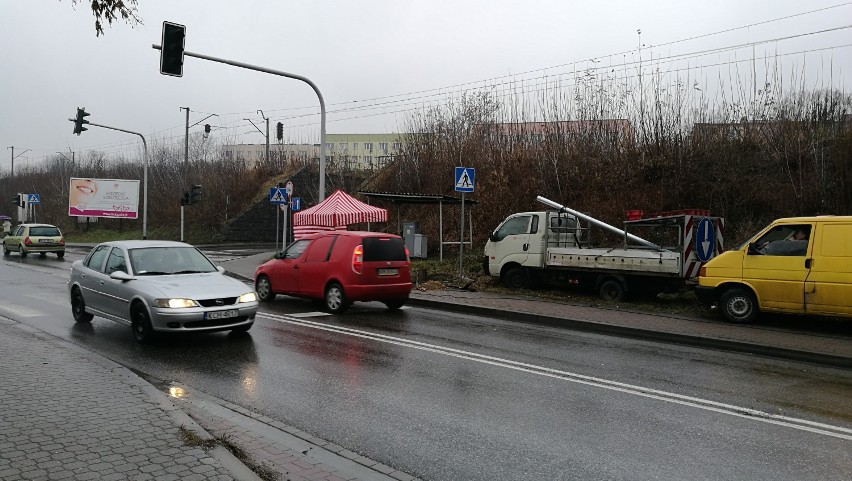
x,y
513,226
785,240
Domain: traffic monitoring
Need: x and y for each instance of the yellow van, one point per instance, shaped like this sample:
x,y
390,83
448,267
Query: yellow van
x,y
797,265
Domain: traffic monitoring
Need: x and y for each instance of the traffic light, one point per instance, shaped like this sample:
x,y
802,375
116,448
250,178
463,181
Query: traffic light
x,y
279,131
20,200
171,53
206,128
184,199
195,194
80,120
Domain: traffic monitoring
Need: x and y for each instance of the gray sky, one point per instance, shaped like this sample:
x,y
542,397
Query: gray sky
x,y
374,61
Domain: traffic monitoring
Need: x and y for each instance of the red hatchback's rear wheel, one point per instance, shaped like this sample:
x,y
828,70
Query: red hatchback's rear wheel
x,y
335,298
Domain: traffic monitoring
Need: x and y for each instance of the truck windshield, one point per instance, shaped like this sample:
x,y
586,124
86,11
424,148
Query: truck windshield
x,y
513,226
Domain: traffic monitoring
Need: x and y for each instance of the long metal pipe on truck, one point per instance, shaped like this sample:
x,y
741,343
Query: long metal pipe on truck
x,y
598,223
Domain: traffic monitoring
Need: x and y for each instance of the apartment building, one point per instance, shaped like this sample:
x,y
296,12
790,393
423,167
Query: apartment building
x,y
342,151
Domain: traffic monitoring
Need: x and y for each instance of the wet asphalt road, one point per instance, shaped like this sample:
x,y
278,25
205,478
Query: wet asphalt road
x,y
447,396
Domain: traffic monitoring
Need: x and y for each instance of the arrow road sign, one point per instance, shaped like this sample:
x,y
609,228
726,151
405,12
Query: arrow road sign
x,y
705,240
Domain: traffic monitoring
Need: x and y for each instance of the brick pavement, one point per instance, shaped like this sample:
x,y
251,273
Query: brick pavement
x,y
66,413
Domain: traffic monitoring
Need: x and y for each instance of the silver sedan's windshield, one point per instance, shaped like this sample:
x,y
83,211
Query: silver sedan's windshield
x,y
168,260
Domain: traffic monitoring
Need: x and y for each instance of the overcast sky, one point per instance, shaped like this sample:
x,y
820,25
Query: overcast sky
x,y
385,57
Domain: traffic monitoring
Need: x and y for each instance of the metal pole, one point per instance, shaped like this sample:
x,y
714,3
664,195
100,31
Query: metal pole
x,y
181,222
283,74
186,146
441,229
284,223
461,244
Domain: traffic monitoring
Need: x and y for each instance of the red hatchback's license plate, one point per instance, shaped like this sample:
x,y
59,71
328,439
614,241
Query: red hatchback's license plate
x,y
389,272
221,314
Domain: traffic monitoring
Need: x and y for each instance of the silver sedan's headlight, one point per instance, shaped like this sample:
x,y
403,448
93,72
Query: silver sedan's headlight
x,y
176,303
248,297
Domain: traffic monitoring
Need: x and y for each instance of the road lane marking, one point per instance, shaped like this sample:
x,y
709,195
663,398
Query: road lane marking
x,y
309,314
704,404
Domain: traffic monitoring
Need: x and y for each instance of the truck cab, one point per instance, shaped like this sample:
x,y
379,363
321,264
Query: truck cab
x,y
520,242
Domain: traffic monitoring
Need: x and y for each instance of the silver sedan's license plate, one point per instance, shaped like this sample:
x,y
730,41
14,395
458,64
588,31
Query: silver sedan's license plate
x,y
388,272
221,314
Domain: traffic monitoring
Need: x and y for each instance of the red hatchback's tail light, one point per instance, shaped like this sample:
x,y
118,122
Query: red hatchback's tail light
x,y
407,255
27,241
358,259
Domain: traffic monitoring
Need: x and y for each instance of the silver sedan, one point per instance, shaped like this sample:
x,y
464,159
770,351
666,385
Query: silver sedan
x,y
158,286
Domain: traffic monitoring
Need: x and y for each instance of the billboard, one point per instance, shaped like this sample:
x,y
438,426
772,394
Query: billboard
x,y
115,198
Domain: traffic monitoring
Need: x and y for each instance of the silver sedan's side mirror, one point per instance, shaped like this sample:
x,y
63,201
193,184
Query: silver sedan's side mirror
x,y
121,276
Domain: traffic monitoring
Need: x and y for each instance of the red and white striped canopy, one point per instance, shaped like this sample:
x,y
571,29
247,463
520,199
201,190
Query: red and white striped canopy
x,y
339,209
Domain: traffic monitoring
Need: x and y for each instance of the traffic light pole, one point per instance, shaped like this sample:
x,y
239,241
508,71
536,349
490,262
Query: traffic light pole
x,y
282,74
144,175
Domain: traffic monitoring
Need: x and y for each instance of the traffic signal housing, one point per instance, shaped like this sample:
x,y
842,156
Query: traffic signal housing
x,y
184,199
279,131
171,53
17,200
195,194
80,120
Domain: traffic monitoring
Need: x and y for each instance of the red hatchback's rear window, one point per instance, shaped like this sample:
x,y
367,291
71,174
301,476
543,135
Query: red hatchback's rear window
x,y
383,249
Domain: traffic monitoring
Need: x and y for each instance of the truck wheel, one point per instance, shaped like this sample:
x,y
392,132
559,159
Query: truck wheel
x,y
611,290
739,305
516,278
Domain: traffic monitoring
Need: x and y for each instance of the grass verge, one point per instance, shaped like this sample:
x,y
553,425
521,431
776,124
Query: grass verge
x,y
265,472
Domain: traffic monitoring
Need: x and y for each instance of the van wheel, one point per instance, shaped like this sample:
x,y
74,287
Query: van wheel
x,y
335,299
516,278
739,305
264,289
611,290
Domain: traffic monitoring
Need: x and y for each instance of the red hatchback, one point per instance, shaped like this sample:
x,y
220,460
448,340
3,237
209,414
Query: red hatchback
x,y
339,267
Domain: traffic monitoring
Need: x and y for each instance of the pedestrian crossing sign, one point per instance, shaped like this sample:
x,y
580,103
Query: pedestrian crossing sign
x,y
465,179
277,195
33,199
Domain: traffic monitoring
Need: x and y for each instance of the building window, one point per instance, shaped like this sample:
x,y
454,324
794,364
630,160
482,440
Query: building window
x,y
329,146
384,147
397,146
368,146
343,146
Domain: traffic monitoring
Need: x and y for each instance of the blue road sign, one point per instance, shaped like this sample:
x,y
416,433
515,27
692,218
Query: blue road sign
x,y
277,195
465,179
296,204
33,199
705,240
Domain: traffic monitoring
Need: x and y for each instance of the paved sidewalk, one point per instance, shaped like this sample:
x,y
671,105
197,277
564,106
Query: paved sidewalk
x,y
70,414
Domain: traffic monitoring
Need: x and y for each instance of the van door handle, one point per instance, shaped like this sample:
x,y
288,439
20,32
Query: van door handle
x,y
526,246
808,263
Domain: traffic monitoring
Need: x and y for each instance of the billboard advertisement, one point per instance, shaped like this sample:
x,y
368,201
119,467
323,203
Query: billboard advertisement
x,y
115,198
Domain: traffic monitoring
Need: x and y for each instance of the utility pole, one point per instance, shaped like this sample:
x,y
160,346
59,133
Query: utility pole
x,y
13,161
267,134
